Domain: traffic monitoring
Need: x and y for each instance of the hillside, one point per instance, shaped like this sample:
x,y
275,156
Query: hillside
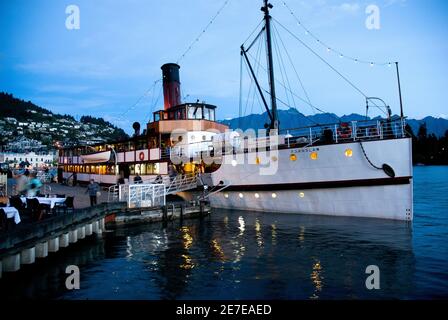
x,y
24,118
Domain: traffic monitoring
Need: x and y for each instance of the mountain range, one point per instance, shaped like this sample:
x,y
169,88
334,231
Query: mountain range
x,y
294,119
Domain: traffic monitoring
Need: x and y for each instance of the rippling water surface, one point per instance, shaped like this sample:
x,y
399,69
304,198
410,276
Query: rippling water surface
x,y
246,255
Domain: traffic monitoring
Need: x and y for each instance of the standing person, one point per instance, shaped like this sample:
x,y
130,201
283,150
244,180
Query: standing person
x,y
172,172
138,179
21,184
33,185
93,189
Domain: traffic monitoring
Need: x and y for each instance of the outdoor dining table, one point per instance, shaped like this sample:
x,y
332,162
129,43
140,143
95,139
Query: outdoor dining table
x,y
12,212
43,200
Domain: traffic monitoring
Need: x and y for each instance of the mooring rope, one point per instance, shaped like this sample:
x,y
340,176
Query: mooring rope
x,y
365,155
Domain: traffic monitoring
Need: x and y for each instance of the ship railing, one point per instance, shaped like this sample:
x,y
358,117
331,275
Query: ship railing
x,y
343,132
364,130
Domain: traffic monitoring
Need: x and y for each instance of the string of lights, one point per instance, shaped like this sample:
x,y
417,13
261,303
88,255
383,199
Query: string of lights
x,y
329,49
203,31
133,106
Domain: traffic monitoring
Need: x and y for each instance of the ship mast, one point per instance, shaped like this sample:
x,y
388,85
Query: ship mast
x,y
267,18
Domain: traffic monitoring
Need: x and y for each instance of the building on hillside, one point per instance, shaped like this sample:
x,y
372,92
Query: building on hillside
x,y
35,160
23,144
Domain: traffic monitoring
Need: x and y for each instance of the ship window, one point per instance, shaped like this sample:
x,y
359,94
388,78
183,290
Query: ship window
x,y
195,112
206,113
212,114
132,169
157,116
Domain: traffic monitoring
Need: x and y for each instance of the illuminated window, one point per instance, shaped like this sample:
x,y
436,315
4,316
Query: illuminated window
x,y
257,195
348,153
301,194
292,157
234,163
274,195
257,160
241,195
313,155
226,195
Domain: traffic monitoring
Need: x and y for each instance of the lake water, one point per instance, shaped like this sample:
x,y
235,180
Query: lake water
x,y
246,255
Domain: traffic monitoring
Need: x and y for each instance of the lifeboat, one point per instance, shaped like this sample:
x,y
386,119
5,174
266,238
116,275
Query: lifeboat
x,y
96,157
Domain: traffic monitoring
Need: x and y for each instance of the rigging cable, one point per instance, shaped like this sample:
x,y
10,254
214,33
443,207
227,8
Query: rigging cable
x,y
282,71
293,93
322,59
295,70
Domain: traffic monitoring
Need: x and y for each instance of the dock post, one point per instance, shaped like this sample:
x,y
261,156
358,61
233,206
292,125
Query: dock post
x,y
64,240
42,250
201,209
28,256
182,212
11,263
53,245
164,215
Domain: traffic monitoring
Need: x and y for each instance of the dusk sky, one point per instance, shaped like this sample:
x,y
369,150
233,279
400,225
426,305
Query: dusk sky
x,y
103,68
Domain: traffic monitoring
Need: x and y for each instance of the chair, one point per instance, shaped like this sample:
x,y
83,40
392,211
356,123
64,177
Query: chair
x,y
17,203
5,223
3,220
67,204
36,209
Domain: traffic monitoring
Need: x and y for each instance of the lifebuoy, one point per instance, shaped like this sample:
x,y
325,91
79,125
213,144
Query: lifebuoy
x,y
141,156
344,131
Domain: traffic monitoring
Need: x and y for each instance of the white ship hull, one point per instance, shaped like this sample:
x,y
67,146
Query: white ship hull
x,y
332,184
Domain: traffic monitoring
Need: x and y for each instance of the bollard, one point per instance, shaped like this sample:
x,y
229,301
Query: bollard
x,y
28,256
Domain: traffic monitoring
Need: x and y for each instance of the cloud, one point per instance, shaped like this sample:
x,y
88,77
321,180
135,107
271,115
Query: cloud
x,y
389,3
351,8
65,89
68,68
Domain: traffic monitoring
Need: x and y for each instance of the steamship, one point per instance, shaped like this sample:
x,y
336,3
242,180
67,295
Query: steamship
x,y
361,168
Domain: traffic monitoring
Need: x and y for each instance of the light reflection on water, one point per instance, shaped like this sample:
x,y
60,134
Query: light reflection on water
x,y
247,255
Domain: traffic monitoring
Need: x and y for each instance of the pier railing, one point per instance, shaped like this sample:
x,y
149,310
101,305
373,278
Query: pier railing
x,y
146,195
